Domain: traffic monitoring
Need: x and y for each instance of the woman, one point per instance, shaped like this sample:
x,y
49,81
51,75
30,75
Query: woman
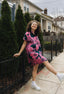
x,y
34,52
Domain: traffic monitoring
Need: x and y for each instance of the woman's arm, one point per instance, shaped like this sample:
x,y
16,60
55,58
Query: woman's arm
x,y
22,47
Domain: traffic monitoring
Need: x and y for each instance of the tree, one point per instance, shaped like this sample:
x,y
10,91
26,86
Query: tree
x,y
37,17
6,17
7,34
0,25
8,40
20,26
27,17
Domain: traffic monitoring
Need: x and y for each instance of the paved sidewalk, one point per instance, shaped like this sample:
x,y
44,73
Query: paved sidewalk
x,y
47,81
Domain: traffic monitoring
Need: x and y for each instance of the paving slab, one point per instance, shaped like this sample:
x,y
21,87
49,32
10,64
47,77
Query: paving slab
x,y
48,76
46,88
60,89
47,81
59,59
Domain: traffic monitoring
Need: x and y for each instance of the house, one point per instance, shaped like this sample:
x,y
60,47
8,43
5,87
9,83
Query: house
x,y
58,24
47,22
27,6
59,21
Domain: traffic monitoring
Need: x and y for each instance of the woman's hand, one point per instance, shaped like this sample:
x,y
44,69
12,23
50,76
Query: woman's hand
x,y
16,55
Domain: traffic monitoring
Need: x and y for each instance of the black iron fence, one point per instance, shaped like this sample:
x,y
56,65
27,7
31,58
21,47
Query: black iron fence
x,y
13,72
10,77
52,48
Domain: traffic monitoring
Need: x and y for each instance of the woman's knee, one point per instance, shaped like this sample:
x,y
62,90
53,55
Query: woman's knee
x,y
35,67
45,62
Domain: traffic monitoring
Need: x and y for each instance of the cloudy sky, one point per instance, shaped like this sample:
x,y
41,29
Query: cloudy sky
x,y
55,7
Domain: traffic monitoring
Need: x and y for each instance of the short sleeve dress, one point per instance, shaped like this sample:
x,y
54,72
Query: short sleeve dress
x,y
33,49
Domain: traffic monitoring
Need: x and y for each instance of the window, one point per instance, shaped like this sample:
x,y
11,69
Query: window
x,y
26,7
12,11
59,23
49,26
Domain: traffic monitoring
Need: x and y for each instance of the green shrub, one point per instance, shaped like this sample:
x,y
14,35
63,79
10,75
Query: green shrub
x,y
37,17
20,27
27,17
8,39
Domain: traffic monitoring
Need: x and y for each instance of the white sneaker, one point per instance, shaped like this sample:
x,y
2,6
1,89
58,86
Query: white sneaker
x,y
34,86
60,76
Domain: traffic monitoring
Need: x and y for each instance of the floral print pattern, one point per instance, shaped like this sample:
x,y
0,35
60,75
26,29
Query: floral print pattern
x,y
33,49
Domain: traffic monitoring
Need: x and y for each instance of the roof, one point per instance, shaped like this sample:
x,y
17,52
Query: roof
x,y
47,15
34,5
43,16
59,18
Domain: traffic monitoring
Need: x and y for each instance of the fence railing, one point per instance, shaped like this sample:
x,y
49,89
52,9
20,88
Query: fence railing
x,y
12,77
52,48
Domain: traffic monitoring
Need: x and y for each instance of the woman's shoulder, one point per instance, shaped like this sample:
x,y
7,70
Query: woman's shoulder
x,y
27,32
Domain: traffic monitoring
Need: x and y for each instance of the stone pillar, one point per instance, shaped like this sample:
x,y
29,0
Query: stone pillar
x,y
41,25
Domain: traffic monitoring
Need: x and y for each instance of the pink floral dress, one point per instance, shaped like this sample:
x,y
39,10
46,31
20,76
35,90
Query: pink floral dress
x,y
33,49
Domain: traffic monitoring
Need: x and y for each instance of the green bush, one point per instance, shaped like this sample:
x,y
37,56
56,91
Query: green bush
x,y
27,17
20,27
37,17
0,25
8,40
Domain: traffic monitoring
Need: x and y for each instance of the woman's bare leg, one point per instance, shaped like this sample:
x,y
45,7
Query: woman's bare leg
x,y
50,67
34,72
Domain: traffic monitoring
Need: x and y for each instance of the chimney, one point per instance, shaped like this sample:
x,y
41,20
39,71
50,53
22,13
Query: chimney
x,y
45,11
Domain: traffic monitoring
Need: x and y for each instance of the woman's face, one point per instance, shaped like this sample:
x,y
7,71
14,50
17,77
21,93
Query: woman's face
x,y
34,26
